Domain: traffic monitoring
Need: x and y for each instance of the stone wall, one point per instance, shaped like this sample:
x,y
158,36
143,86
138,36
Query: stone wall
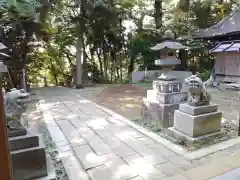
x,y
153,75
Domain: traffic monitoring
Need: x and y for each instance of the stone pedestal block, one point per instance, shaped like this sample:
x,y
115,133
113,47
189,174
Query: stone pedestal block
x,y
198,121
23,142
154,111
162,101
29,163
28,156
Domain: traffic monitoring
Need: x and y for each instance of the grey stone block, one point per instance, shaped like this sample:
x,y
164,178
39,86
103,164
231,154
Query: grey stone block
x,y
167,98
199,125
164,113
171,98
29,163
192,110
23,142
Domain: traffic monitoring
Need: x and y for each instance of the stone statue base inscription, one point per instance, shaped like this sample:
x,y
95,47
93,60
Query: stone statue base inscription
x,y
197,122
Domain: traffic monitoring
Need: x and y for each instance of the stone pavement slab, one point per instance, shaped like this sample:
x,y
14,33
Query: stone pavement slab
x,y
95,144
232,175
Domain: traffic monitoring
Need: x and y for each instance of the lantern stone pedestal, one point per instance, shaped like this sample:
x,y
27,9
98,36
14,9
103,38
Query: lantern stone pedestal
x,y
162,101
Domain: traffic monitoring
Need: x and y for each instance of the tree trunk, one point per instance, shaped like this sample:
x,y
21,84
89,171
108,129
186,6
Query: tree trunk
x,y
158,13
54,73
105,65
120,66
80,46
79,58
130,67
100,65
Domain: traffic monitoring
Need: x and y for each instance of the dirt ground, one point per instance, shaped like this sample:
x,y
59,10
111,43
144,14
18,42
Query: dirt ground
x,y
126,100
123,99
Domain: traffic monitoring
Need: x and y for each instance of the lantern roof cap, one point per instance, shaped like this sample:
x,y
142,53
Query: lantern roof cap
x,y
169,45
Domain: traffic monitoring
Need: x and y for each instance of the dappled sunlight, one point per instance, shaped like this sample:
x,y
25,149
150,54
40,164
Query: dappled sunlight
x,y
71,116
98,123
143,168
120,170
77,140
133,105
83,101
126,99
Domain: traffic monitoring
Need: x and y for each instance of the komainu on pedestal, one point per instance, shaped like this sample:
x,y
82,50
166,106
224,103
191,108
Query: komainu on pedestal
x,y
27,153
198,118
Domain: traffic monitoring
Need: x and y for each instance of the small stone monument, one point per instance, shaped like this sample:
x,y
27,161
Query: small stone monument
x,y
197,119
166,94
27,153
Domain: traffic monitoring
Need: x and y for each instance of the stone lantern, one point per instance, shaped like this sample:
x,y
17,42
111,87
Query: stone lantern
x,y
166,94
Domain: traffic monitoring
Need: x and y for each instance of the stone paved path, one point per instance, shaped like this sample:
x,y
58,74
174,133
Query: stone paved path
x,y
96,145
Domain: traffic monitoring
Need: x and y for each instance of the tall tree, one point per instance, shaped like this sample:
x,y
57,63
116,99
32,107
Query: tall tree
x,y
158,13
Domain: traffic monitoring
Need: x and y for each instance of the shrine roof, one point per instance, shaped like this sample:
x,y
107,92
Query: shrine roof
x,y
227,46
228,25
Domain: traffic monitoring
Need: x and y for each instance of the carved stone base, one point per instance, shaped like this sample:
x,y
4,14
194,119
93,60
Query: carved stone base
x,y
167,98
154,111
197,121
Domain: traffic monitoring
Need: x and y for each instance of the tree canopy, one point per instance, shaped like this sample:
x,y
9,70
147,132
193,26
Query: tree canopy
x,y
108,38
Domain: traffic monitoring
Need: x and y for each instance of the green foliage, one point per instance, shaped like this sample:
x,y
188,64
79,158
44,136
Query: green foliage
x,y
205,75
19,8
109,53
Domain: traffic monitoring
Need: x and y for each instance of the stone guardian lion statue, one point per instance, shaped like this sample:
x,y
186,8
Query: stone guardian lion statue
x,y
197,91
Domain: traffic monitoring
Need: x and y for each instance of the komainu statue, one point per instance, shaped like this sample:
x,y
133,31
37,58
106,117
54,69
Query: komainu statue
x,y
197,91
15,103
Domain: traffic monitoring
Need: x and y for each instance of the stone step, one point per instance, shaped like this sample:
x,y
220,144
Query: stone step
x,y
29,163
23,142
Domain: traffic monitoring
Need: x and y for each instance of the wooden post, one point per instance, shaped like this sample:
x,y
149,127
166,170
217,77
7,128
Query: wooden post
x,y
5,162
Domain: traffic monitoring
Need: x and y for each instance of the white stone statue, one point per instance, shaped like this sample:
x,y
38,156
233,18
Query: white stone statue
x,y
15,103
